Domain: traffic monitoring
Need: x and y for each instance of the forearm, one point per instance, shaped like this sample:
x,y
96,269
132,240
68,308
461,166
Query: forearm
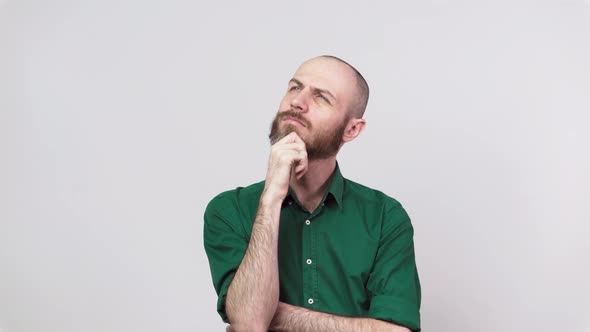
x,y
291,318
253,294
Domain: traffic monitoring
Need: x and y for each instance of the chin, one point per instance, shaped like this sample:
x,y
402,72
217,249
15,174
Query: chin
x,y
289,128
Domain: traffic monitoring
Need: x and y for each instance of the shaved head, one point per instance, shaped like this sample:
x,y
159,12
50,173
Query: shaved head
x,y
357,110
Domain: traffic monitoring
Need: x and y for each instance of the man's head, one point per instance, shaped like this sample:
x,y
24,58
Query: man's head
x,y
324,103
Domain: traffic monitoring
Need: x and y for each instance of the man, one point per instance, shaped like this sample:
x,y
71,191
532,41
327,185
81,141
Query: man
x,y
306,249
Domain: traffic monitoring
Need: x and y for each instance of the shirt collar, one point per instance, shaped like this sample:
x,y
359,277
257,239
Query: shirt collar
x,y
335,189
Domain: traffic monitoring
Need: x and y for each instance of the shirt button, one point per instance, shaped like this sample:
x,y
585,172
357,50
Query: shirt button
x,y
307,222
290,202
310,301
308,261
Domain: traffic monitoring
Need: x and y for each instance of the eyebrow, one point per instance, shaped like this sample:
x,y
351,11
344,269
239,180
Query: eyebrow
x,y
296,81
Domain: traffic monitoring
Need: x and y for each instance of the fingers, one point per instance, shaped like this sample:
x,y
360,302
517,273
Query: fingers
x,y
293,146
288,158
301,168
290,138
294,157
290,151
300,173
301,165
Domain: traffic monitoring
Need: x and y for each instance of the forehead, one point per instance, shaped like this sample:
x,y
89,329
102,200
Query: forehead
x,y
329,74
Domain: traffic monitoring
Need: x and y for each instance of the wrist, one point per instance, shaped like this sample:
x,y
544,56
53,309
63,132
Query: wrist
x,y
269,210
270,198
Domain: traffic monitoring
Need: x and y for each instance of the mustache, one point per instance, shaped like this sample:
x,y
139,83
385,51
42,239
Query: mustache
x,y
294,115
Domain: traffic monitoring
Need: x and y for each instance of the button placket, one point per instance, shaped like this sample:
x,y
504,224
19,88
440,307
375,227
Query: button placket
x,y
313,296
307,253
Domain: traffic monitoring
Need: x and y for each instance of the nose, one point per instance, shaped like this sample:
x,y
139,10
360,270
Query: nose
x,y
300,101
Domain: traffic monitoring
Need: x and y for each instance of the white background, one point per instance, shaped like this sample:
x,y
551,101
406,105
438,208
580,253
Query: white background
x,y
120,120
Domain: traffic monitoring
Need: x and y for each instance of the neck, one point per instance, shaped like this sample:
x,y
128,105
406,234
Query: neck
x,y
313,185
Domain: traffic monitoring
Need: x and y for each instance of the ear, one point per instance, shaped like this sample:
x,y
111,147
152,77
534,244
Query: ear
x,y
353,129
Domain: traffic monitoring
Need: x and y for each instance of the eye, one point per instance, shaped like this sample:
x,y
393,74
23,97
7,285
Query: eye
x,y
295,87
321,96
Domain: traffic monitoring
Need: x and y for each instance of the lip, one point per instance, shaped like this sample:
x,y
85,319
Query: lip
x,y
293,120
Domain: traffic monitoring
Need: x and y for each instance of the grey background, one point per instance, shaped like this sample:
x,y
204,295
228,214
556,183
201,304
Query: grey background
x,y
120,120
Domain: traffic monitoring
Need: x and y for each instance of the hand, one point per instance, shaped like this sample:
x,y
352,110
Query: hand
x,y
287,156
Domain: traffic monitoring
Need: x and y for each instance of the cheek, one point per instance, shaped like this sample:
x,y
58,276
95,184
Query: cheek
x,y
325,120
285,103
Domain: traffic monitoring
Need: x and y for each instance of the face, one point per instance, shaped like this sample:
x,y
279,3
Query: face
x,y
316,106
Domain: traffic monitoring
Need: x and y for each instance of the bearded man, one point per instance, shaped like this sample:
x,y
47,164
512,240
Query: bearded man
x,y
307,249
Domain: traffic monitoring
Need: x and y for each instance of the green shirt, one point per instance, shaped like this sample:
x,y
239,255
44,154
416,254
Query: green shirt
x,y
353,256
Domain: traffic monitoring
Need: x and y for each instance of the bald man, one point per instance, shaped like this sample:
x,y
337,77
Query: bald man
x,y
307,249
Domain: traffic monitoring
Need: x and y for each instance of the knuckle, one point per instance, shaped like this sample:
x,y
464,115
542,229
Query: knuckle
x,y
284,158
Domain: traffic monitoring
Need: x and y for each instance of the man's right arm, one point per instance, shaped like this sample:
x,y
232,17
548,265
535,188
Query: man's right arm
x,y
253,294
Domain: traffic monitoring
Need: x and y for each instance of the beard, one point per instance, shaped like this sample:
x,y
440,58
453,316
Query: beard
x,y
321,144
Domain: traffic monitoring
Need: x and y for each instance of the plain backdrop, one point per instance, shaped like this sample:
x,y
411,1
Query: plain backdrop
x,y
120,120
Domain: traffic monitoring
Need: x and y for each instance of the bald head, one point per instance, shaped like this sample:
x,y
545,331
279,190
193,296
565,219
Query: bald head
x,y
357,109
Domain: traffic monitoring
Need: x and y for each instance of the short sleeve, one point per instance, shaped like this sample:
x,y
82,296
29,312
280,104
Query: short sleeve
x,y
393,285
225,245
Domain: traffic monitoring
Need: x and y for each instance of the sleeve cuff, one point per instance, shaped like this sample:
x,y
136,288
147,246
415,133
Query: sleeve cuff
x,y
392,309
221,308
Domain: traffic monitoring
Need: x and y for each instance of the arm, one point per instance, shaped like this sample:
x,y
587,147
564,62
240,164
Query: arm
x,y
292,318
253,294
